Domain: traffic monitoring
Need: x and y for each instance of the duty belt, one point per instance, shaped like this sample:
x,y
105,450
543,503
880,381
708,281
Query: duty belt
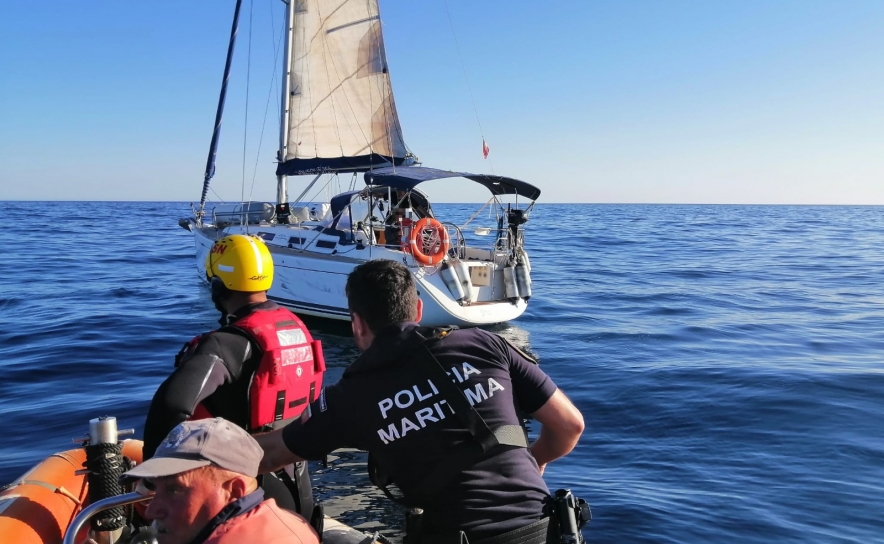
x,y
536,533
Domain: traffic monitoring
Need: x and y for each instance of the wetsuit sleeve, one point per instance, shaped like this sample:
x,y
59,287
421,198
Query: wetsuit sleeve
x,y
194,380
326,425
531,385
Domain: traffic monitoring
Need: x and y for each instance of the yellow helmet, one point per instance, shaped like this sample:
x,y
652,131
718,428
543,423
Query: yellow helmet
x,y
241,262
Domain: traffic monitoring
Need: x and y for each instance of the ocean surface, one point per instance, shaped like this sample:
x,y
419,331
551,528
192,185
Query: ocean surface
x,y
728,360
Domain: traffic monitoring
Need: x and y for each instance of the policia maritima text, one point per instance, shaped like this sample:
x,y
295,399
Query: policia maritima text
x,y
392,403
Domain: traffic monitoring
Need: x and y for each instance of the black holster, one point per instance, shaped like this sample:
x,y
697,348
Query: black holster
x,y
568,514
413,526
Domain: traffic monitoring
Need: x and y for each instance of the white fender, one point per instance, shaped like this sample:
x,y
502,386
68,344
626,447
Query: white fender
x,y
466,282
523,256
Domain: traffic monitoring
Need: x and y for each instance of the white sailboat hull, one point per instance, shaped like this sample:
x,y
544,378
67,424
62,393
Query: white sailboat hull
x,y
312,283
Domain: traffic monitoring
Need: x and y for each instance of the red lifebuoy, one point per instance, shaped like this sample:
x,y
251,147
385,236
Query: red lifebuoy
x,y
428,241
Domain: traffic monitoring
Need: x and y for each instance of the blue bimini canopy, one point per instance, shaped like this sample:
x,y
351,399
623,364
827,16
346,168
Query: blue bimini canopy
x,y
407,177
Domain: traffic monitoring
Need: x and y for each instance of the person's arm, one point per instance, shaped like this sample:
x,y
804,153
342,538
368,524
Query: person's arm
x,y
214,363
325,425
177,398
276,453
561,425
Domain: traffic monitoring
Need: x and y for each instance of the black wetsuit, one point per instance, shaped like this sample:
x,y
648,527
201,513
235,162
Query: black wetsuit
x,y
217,374
385,404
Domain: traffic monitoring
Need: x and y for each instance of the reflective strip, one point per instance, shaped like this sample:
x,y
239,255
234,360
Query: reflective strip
x,y
291,337
293,356
258,258
298,402
280,406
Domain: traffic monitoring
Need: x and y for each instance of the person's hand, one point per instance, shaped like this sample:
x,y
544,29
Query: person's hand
x,y
540,467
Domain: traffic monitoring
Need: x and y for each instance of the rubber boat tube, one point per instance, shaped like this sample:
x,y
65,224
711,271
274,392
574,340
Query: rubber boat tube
x,y
37,508
48,504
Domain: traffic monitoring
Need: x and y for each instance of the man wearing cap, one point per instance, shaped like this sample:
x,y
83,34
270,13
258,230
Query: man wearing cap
x,y
206,492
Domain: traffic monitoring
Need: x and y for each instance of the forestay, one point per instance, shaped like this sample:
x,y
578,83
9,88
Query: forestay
x,y
342,114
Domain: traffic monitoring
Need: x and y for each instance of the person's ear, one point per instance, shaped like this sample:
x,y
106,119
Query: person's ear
x,y
236,488
420,311
357,324
362,334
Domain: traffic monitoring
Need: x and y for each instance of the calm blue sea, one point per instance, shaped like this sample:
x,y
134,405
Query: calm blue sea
x,y
728,360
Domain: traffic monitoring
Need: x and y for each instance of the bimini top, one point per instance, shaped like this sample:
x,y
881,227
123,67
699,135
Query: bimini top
x,y
407,177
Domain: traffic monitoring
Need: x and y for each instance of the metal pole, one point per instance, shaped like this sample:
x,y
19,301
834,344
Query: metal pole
x,y
219,113
281,190
103,430
308,187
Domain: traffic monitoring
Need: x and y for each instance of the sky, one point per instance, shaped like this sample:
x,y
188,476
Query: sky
x,y
616,101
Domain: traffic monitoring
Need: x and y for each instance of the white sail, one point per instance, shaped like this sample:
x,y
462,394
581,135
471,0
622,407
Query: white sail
x,y
342,115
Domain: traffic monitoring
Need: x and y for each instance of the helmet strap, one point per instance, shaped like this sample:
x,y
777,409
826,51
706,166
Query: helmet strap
x,y
220,294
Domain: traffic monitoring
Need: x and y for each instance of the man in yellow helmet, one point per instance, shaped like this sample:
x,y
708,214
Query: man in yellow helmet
x,y
260,369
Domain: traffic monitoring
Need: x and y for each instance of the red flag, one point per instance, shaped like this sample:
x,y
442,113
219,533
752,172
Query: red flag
x,y
485,149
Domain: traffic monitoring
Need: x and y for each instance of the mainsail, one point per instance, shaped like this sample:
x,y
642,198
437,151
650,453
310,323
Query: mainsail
x,y
342,116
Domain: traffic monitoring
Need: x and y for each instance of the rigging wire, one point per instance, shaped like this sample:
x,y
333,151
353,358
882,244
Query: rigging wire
x,y
245,131
282,33
475,215
306,71
216,194
466,78
326,54
379,52
270,91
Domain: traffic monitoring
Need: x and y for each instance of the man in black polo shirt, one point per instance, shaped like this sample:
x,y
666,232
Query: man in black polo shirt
x,y
456,452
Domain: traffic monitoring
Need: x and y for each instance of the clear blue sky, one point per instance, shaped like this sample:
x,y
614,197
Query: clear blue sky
x,y
594,101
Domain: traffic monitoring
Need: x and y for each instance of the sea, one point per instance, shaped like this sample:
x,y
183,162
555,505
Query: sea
x,y
728,360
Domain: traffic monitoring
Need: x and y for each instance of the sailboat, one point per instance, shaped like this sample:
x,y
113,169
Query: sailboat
x,y
338,118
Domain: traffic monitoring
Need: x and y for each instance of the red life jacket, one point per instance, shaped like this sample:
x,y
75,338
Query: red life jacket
x,y
289,375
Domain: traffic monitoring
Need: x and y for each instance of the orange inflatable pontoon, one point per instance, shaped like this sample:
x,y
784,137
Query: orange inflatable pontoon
x,y
38,507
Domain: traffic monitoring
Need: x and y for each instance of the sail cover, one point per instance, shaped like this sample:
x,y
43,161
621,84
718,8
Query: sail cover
x,y
342,115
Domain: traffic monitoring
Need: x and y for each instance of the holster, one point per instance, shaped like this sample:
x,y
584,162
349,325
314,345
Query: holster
x,y
569,515
413,526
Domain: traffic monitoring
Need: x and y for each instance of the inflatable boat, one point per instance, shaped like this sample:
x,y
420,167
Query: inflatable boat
x,y
73,497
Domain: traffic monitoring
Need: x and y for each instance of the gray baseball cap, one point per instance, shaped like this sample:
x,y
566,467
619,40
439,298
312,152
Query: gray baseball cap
x,y
201,443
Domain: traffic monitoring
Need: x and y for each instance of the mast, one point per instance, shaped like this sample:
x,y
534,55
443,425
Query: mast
x,y
219,113
281,179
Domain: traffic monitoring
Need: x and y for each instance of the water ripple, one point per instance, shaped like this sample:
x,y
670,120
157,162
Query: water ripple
x,y
727,359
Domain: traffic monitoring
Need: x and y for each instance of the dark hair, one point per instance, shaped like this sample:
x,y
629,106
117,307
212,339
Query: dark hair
x,y
382,292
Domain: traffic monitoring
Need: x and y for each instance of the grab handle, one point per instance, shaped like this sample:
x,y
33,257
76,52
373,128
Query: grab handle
x,y
104,504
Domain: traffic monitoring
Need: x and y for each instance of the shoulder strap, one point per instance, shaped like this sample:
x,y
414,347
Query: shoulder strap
x,y
465,454
507,435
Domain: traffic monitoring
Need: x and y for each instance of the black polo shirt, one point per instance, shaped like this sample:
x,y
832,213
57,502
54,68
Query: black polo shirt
x,y
386,405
